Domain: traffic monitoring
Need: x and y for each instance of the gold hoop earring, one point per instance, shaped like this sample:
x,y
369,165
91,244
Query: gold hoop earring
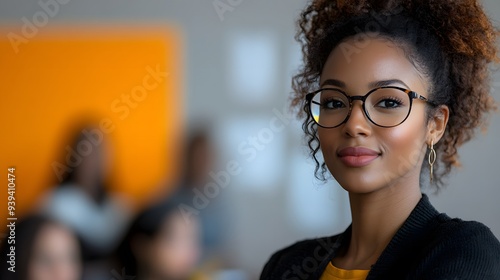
x,y
432,159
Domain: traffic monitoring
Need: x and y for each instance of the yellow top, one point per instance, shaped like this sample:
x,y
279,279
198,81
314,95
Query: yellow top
x,y
334,273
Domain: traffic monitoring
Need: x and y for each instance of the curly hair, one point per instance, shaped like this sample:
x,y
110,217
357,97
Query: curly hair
x,y
450,42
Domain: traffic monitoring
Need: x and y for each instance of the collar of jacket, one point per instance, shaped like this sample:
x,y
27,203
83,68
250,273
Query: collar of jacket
x,y
409,238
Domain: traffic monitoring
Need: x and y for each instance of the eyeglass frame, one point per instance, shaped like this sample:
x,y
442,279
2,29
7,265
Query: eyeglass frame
x,y
411,94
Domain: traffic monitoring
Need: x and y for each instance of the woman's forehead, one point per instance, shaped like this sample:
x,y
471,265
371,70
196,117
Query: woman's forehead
x,y
360,63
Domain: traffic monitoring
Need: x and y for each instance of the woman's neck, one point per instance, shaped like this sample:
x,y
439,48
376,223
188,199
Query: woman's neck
x,y
376,217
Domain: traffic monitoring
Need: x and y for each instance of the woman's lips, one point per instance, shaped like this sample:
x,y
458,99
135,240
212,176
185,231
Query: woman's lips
x,y
357,156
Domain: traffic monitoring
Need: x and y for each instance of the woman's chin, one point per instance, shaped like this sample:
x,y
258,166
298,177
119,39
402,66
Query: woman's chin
x,y
359,184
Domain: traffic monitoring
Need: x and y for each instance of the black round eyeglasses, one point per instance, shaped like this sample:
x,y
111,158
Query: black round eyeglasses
x,y
387,106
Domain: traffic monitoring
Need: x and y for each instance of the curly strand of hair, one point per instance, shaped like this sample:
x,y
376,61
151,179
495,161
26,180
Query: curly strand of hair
x,y
310,128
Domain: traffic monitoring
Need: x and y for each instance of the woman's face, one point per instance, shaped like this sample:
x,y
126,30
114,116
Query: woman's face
x,y
56,255
174,251
398,151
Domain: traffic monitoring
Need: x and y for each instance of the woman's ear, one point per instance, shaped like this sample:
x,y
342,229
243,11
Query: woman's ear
x,y
437,123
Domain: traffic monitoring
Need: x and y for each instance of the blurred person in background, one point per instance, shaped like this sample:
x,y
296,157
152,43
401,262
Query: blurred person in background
x,y
82,201
160,244
44,250
199,162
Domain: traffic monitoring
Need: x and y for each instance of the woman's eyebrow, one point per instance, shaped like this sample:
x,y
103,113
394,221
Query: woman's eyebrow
x,y
384,83
333,82
375,84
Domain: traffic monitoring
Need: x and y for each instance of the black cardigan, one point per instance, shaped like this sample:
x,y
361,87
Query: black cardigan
x,y
429,245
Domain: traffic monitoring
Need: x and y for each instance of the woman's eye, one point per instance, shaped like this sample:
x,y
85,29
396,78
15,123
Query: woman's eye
x,y
389,103
333,104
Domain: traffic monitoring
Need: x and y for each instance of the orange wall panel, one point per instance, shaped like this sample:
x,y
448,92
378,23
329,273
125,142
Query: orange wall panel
x,y
130,79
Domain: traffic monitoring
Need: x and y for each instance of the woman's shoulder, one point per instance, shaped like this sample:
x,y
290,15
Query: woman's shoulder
x,y
464,248
294,260
454,231
437,230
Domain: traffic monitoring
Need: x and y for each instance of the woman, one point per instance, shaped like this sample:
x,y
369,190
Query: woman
x,y
161,244
44,250
390,91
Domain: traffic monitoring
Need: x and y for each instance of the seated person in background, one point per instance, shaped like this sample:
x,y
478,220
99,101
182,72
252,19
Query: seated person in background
x,y
82,201
45,250
160,244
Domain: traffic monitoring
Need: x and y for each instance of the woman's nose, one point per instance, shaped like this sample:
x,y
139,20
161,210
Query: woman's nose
x,y
357,123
